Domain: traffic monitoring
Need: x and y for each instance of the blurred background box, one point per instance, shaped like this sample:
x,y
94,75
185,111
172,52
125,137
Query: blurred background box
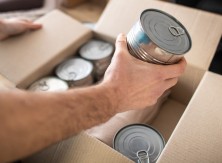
x,y
12,5
84,10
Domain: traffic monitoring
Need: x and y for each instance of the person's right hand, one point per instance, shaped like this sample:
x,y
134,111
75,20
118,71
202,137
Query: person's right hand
x,y
135,83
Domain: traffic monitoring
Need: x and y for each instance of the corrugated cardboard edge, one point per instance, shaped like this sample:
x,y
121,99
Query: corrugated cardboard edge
x,y
79,149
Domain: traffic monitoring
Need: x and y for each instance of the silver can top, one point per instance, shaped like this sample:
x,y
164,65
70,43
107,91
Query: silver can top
x,y
165,31
49,84
74,69
136,138
96,50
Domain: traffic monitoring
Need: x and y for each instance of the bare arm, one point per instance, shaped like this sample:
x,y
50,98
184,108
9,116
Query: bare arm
x,y
32,121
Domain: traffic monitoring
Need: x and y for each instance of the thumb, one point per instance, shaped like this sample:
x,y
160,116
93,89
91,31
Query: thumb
x,y
121,43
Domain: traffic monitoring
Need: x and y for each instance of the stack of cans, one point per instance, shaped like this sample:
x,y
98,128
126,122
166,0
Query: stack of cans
x,y
77,72
140,143
158,38
95,57
99,53
49,84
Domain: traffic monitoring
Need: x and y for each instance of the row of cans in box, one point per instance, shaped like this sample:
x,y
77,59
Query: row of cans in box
x,y
94,58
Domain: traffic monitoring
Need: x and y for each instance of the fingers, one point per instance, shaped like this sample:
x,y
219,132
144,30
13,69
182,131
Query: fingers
x,y
33,26
175,70
170,83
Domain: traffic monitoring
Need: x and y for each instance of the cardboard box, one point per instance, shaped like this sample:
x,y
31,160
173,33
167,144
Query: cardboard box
x,y
171,110
197,137
5,83
28,57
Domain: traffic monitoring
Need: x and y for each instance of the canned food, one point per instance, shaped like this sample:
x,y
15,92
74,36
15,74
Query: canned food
x,y
158,38
139,142
76,71
49,84
99,53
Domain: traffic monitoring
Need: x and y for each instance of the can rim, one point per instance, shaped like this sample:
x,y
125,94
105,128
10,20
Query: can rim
x,y
177,21
138,124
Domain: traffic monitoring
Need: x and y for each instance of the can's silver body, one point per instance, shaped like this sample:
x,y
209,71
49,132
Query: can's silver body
x,y
99,53
49,84
77,72
156,40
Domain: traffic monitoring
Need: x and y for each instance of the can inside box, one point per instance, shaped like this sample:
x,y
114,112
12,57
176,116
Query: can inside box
x,y
95,67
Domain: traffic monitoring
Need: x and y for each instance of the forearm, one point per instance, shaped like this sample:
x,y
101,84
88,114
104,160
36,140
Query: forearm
x,y
42,119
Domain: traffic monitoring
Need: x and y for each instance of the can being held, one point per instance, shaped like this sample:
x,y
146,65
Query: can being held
x,y
99,53
139,142
158,38
76,71
49,84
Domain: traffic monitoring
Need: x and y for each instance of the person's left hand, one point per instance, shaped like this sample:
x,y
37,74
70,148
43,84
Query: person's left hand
x,y
10,27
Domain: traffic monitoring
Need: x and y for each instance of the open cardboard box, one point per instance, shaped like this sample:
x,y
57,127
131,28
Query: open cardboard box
x,y
62,36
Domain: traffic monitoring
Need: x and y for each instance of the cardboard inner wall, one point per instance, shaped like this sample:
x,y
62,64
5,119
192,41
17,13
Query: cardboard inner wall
x,y
28,57
197,137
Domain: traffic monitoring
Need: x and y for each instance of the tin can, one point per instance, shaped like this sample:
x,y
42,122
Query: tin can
x,y
158,38
99,53
76,71
49,84
139,142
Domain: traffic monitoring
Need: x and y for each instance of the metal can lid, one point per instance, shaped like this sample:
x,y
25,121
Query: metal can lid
x,y
49,84
96,49
165,31
74,69
139,137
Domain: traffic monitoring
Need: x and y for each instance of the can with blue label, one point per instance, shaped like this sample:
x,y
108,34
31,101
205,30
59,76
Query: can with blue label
x,y
158,38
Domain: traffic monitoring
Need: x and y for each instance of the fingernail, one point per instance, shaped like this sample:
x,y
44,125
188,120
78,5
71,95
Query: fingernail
x,y
121,37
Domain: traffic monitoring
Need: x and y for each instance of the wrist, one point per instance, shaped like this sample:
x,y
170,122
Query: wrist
x,y
110,93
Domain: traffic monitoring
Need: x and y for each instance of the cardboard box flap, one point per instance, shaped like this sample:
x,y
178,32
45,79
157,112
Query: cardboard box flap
x,y
197,137
79,149
5,83
25,58
120,16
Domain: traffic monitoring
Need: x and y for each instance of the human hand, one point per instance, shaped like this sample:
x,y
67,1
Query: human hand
x,y
10,27
138,84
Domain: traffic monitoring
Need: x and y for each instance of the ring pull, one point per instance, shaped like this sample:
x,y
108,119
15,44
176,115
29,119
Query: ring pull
x,y
143,157
43,86
72,75
176,31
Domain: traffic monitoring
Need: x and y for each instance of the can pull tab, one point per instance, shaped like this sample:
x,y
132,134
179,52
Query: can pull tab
x,y
72,75
43,86
176,31
143,157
